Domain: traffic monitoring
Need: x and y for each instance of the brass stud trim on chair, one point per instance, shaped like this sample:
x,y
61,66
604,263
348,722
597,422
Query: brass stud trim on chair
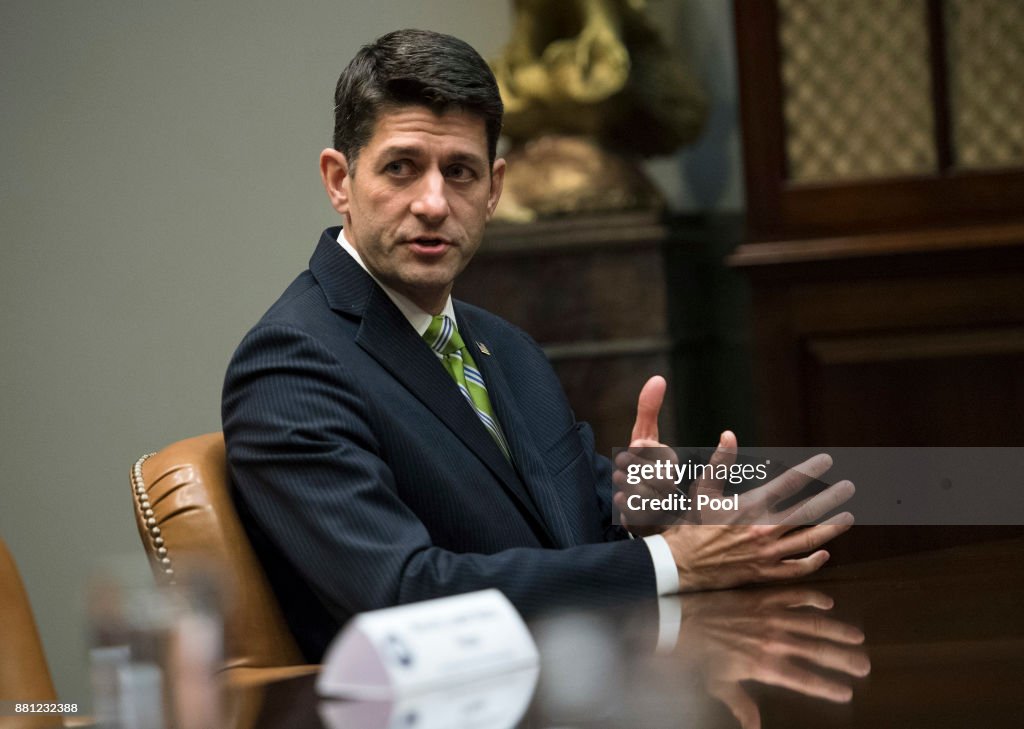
x,y
146,517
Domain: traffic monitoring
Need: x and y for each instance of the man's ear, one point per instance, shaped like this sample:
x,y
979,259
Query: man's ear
x,y
334,172
497,182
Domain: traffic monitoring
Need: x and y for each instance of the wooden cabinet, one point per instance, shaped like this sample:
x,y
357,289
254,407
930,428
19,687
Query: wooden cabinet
x,y
884,156
903,339
885,220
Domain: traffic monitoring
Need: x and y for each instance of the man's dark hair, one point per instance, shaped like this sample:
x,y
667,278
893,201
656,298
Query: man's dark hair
x,y
418,67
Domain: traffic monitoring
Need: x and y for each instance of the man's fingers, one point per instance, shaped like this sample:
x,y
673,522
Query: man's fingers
x,y
725,451
723,455
794,597
810,510
738,701
813,537
644,489
791,569
791,481
815,625
647,408
646,472
846,658
727,441
646,453
787,675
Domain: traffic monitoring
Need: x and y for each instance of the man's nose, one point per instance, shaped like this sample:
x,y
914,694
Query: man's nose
x,y
431,201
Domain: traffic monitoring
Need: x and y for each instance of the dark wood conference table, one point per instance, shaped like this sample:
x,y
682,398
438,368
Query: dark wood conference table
x,y
933,639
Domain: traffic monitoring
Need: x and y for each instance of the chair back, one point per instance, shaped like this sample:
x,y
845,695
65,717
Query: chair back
x,y
24,675
185,516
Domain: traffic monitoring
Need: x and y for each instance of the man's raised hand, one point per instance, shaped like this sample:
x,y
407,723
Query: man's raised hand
x,y
644,449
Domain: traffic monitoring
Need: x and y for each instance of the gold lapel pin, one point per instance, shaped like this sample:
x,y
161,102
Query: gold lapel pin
x,y
483,348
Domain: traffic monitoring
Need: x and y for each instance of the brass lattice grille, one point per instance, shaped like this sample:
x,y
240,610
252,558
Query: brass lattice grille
x,y
985,41
857,85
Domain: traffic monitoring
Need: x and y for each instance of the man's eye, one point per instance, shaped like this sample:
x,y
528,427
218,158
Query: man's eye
x,y
459,172
398,167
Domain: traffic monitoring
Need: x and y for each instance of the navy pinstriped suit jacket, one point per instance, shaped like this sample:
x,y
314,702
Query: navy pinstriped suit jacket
x,y
365,480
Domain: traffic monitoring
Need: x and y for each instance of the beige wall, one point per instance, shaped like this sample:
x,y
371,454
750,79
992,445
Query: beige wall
x,y
159,189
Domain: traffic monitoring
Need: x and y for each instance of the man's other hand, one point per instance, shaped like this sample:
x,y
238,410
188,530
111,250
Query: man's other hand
x,y
758,543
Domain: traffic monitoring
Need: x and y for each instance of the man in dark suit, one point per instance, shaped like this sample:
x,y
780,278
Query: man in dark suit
x,y
388,444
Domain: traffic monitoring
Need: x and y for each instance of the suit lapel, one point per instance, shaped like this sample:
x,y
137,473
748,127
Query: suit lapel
x,y
385,334
518,433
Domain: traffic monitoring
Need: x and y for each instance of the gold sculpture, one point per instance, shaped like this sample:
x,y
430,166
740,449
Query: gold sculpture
x,y
589,87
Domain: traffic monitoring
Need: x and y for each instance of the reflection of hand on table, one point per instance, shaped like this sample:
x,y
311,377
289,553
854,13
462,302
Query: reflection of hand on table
x,y
738,635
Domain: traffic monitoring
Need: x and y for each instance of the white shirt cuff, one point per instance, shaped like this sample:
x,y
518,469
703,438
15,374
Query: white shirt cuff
x,y
670,619
665,573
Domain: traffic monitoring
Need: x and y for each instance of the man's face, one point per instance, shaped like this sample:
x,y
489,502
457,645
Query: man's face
x,y
417,201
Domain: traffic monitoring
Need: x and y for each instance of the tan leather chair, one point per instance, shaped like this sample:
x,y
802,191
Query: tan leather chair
x,y
24,675
184,511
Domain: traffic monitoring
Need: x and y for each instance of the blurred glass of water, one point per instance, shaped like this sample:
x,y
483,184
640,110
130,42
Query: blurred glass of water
x,y
156,649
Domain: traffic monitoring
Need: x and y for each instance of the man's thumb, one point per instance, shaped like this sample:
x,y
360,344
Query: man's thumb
x,y
648,405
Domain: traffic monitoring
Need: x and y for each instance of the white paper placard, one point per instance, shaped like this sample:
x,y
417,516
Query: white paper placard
x,y
496,702
425,646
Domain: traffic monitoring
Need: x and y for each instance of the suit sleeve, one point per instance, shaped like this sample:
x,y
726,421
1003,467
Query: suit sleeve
x,y
311,473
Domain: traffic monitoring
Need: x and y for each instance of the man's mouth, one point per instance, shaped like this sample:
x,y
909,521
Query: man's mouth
x,y
429,245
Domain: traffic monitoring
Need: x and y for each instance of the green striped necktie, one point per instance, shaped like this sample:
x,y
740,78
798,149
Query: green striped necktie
x,y
443,338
